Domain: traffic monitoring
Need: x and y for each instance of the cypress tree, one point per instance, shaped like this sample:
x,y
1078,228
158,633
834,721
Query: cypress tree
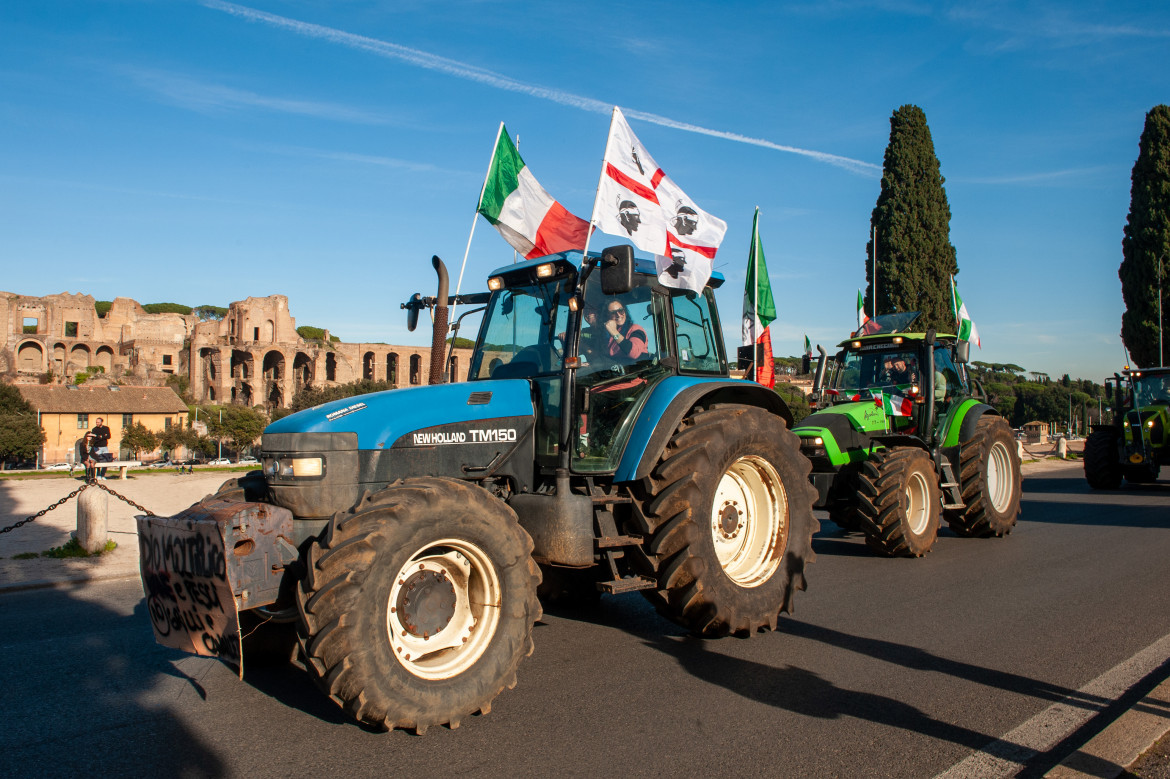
x,y
913,220
1145,247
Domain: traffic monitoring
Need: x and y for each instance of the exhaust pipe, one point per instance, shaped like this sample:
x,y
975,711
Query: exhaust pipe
x,y
439,329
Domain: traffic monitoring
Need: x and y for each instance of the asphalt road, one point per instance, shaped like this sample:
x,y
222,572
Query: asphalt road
x,y
900,668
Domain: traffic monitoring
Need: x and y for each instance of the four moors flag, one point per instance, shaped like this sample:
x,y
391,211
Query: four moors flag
x,y
967,329
526,216
759,309
637,200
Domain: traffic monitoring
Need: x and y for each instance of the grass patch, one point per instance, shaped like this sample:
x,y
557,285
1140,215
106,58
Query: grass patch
x,y
72,548
25,556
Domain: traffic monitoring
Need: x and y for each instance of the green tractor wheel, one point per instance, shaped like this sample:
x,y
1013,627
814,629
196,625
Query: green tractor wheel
x,y
1102,469
898,502
989,477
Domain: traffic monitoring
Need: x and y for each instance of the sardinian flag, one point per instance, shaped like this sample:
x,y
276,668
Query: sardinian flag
x,y
637,200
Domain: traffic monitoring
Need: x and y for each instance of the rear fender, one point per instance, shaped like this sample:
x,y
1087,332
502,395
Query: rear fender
x,y
671,400
960,421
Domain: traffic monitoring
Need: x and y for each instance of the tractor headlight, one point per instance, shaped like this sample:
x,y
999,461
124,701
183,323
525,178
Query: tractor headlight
x,y
545,270
495,283
306,467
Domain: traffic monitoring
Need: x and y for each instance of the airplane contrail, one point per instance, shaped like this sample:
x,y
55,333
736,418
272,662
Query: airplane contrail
x,y
489,78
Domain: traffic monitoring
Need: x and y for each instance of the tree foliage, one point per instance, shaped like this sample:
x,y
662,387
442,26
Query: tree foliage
x,y
137,438
239,426
1145,246
915,257
166,308
20,434
102,307
308,397
310,333
207,312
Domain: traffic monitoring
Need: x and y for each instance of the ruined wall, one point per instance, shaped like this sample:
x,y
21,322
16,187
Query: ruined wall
x,y
253,356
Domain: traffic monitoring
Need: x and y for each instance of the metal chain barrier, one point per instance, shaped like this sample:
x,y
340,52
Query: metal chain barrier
x,y
89,483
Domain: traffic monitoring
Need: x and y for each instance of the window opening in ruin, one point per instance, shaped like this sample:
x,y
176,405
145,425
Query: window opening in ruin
x,y
70,329
330,367
392,368
415,368
83,421
30,324
166,359
255,333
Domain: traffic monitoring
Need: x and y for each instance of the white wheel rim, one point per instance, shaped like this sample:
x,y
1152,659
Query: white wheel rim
x,y
917,503
999,478
749,521
450,629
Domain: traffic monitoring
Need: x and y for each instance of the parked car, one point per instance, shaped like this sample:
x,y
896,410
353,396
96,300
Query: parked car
x,y
248,460
219,461
59,467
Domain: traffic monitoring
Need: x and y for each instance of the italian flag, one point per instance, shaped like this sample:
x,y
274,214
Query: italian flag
x,y
759,309
967,329
861,316
893,404
527,217
807,347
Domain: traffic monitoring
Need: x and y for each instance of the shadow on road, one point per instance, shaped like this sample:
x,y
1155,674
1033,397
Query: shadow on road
x,y
87,700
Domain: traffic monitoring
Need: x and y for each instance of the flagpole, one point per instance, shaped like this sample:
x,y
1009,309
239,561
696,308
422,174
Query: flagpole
x,y
955,305
474,219
597,192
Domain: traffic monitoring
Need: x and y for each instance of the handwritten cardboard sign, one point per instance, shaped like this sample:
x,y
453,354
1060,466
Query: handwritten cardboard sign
x,y
184,575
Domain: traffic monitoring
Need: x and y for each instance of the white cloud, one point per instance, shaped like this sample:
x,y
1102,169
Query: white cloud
x,y
489,78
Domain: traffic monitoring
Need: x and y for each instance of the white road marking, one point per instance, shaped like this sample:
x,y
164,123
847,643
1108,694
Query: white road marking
x,y
1005,756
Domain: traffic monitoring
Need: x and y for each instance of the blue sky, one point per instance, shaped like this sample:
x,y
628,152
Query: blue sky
x,y
202,152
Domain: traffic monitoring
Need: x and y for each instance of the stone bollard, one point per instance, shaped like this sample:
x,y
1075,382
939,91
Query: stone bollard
x,y
1062,448
1023,455
93,510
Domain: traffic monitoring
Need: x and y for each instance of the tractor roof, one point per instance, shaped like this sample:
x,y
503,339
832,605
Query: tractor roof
x,y
1139,372
892,329
643,263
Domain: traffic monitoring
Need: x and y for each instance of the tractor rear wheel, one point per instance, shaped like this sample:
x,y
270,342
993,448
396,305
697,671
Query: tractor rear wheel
x,y
727,512
1102,468
418,606
989,477
898,502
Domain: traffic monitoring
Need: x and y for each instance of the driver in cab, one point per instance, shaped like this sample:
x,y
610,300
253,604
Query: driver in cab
x,y
627,341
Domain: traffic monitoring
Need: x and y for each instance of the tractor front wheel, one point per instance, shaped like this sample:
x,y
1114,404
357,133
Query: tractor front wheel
x,y
728,516
1102,466
898,502
989,477
418,607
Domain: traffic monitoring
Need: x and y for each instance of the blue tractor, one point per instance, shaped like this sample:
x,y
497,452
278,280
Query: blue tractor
x,y
598,441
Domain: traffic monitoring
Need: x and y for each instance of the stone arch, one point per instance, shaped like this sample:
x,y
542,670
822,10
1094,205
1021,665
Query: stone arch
x,y
368,366
331,367
415,369
30,356
303,369
105,358
392,367
242,364
269,331
242,394
208,363
79,356
211,392
275,397
274,365
59,358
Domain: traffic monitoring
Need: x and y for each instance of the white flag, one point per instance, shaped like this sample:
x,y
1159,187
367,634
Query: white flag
x,y
637,200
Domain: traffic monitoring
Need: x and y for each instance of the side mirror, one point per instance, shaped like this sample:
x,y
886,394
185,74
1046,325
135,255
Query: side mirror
x,y
413,306
617,270
962,352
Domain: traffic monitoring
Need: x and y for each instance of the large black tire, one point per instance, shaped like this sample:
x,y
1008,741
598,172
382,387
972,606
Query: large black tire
x,y
727,512
898,502
1102,467
989,475
250,487
418,606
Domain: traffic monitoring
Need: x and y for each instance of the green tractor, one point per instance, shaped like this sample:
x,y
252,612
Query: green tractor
x,y
1137,444
902,439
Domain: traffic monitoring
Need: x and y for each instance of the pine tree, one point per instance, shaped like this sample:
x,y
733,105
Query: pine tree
x,y
913,220
1145,246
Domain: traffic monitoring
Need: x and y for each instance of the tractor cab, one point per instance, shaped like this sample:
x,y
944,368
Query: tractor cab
x,y
613,335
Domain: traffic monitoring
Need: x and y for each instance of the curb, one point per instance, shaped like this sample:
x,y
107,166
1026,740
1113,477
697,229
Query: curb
x,y
71,580
1110,752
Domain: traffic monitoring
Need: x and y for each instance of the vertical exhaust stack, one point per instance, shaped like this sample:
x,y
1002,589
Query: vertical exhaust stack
x,y
439,331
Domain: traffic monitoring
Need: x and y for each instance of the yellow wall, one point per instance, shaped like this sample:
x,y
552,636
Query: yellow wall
x,y
62,433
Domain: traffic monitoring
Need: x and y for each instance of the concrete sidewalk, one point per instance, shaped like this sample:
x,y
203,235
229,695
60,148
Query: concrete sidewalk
x,y
1106,755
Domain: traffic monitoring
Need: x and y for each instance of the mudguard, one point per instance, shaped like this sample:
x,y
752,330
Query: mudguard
x,y
671,400
959,423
